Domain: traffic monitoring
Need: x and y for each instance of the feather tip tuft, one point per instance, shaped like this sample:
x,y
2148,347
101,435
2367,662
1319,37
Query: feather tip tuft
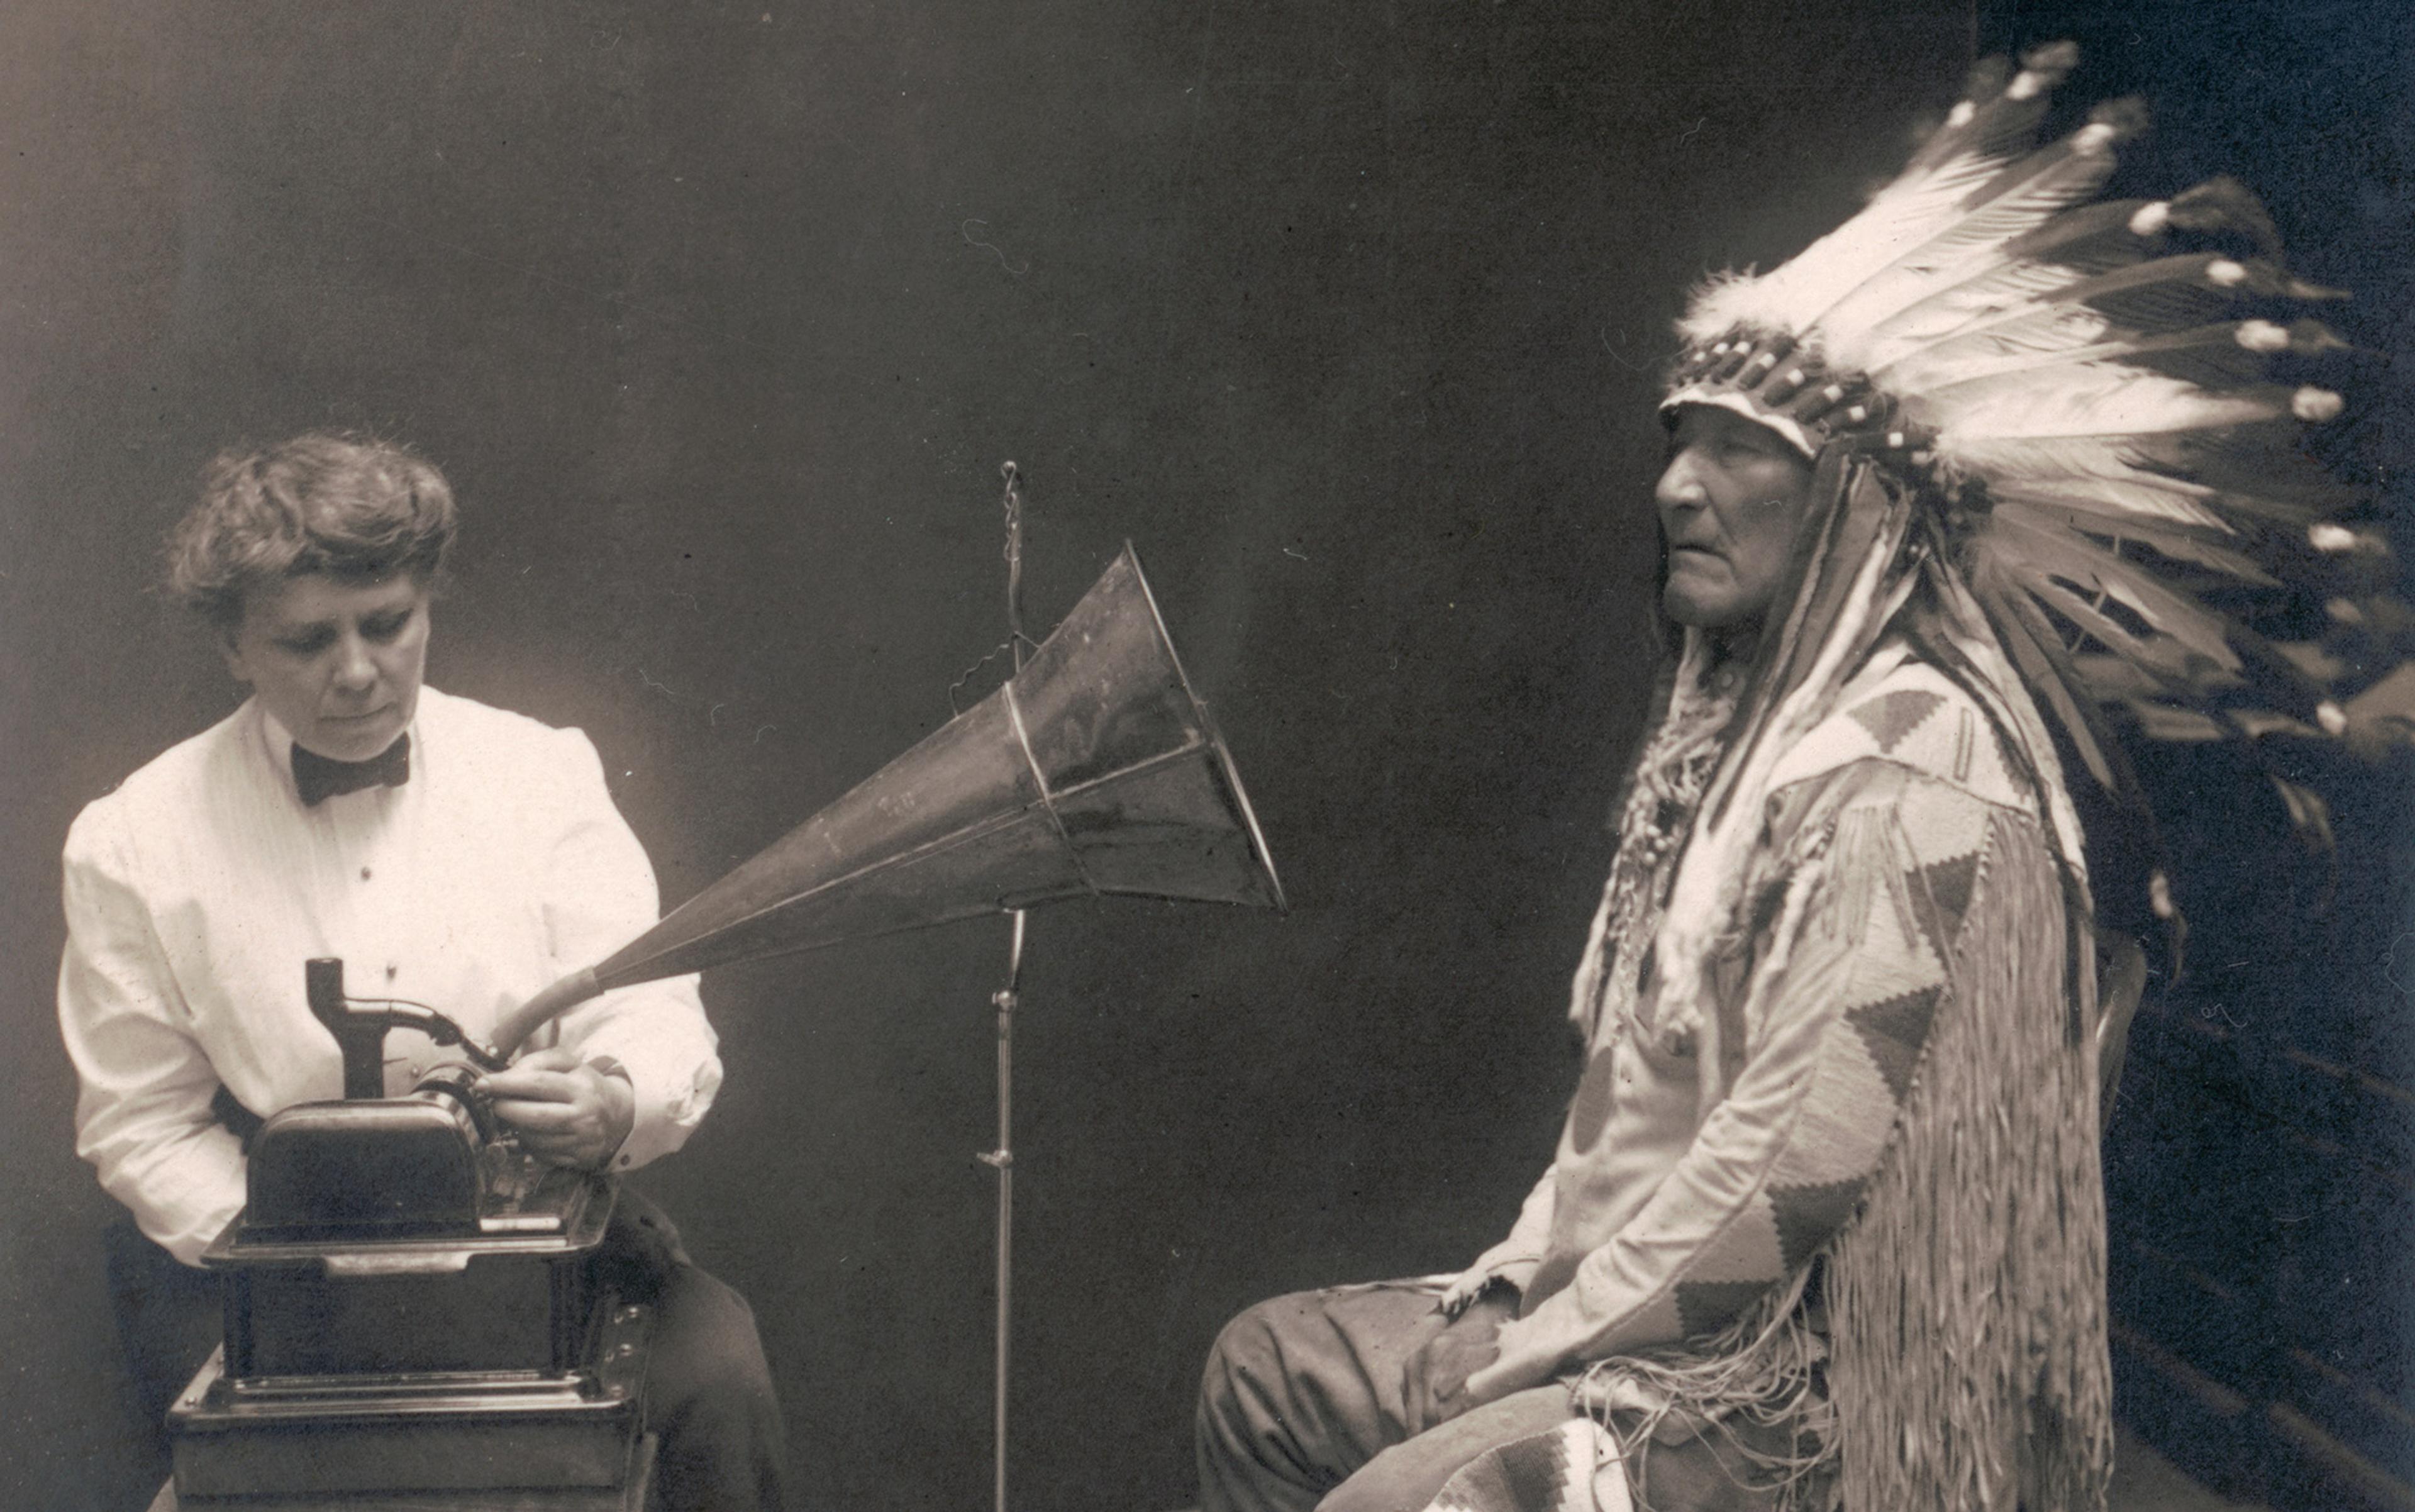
x,y
2316,406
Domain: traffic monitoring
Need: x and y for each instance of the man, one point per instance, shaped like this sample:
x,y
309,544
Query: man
x,y
449,853
1825,1226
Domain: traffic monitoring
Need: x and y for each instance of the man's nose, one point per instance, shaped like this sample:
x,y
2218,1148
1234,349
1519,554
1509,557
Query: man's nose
x,y
1680,487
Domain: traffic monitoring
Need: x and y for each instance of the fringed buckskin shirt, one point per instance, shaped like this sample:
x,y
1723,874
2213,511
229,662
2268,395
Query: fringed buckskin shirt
x,y
1896,970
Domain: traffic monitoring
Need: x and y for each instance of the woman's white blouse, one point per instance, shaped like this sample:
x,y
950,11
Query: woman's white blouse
x,y
196,890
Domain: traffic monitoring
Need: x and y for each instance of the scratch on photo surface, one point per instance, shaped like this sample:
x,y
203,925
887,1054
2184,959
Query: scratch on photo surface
x,y
1617,356
971,240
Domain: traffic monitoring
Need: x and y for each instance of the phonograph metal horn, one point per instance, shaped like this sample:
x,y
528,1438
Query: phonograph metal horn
x,y
1094,771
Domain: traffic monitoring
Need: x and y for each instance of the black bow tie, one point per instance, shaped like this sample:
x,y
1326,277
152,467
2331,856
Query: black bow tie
x,y
317,777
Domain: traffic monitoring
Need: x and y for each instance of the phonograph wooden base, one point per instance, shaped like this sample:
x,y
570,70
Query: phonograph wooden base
x,y
628,1498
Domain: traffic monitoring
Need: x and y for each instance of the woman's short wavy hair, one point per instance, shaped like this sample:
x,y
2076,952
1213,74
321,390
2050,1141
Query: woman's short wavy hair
x,y
354,509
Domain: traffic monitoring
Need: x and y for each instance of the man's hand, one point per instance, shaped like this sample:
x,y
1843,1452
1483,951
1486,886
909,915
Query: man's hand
x,y
564,1110
1433,1382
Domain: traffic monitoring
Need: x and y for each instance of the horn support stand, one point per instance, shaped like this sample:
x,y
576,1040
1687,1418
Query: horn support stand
x,y
1006,1000
1001,1159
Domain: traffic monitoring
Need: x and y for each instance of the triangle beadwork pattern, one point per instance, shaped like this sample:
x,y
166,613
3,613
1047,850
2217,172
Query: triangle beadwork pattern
x,y
1948,883
1706,1307
1533,1470
1890,717
1808,1215
1893,1031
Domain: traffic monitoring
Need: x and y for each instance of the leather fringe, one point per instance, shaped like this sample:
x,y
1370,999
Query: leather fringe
x,y
1967,1309
1755,1385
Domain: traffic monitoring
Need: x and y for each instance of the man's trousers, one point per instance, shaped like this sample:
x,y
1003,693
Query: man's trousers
x,y
1301,1408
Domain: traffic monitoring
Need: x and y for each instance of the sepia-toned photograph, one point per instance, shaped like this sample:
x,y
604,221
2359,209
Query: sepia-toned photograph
x,y
1517,755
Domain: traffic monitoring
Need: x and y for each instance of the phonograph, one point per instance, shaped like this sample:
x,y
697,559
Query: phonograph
x,y
410,1317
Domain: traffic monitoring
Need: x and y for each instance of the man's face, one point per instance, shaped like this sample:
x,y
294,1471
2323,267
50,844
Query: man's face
x,y
337,662
1731,501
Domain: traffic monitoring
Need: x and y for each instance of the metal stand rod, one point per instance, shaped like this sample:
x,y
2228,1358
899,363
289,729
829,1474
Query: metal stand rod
x,y
1005,1001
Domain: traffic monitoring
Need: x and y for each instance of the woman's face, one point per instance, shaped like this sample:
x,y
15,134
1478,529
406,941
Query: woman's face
x,y
337,662
1730,501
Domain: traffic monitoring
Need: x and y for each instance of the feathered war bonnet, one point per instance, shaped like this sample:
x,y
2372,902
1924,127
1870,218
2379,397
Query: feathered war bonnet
x,y
2054,448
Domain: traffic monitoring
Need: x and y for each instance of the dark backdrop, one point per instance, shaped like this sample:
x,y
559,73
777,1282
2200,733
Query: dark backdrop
x,y
722,317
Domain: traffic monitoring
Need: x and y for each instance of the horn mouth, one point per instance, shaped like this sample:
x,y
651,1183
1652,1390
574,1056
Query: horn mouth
x,y
1220,756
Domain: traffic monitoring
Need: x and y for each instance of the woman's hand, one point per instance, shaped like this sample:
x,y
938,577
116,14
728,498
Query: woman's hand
x,y
565,1111
1433,1381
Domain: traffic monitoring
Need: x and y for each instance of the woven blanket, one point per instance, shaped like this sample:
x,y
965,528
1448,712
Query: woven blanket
x,y
1575,1467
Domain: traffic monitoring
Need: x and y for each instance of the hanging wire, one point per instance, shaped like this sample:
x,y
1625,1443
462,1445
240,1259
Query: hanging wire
x,y
1017,641
1013,503
975,670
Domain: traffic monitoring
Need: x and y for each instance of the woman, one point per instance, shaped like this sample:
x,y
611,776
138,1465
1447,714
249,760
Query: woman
x,y
449,853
